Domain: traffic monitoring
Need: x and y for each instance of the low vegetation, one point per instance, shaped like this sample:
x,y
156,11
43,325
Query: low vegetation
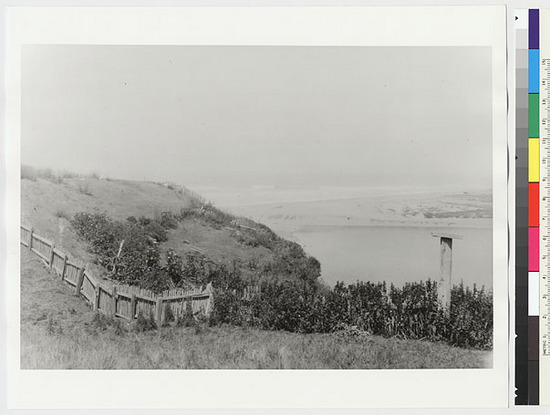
x,y
264,285
130,250
229,347
410,312
58,331
285,293
33,173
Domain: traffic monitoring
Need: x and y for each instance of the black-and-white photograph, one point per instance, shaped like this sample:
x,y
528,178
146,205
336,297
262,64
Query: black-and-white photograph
x,y
256,207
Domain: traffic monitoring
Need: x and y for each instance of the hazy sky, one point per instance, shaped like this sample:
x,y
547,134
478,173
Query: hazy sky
x,y
229,116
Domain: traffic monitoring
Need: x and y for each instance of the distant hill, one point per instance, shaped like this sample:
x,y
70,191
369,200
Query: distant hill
x,y
427,209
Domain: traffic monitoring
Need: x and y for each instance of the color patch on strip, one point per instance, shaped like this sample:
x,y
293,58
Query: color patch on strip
x,y
534,204
522,39
533,366
522,58
533,306
533,344
533,250
534,160
533,71
533,115
533,28
522,21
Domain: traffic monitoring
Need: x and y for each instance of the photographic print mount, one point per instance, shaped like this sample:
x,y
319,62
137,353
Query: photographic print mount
x,y
261,27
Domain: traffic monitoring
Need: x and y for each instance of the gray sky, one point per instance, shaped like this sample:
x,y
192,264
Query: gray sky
x,y
230,116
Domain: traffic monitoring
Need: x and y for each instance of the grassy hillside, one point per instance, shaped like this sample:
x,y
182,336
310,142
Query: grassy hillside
x,y
49,201
48,204
58,331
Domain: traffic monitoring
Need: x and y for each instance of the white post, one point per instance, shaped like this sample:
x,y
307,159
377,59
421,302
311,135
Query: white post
x,y
445,285
445,272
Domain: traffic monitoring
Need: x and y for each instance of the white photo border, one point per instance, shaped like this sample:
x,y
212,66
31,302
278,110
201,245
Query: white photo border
x,y
328,26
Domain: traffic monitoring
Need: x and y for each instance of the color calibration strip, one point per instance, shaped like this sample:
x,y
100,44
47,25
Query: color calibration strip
x,y
522,226
544,204
527,207
532,207
533,215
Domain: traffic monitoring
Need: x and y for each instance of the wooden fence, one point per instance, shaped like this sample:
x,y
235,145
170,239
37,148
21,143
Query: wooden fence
x,y
123,301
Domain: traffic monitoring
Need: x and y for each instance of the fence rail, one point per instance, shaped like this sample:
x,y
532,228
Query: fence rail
x,y
124,301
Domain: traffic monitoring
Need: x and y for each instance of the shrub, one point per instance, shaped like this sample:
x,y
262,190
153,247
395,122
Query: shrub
x,y
84,188
66,174
119,327
194,268
227,307
100,321
53,327
60,213
144,221
168,314
199,329
186,213
28,173
347,331
102,234
48,174
139,259
471,317
155,280
154,230
186,319
174,267
143,323
168,220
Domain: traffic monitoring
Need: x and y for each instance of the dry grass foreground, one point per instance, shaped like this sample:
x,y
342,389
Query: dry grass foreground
x,y
59,331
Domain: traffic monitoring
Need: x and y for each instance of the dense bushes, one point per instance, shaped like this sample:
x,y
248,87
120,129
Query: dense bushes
x,y
102,234
410,312
129,250
471,319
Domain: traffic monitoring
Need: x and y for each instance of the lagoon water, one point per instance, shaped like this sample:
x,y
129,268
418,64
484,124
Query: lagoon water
x,y
374,234
396,254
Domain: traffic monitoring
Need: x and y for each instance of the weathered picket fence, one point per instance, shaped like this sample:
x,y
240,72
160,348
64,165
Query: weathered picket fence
x,y
123,301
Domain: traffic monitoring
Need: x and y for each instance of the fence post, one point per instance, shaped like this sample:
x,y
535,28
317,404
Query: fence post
x,y
79,280
114,302
50,262
65,259
133,307
208,306
96,297
30,238
159,311
210,301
